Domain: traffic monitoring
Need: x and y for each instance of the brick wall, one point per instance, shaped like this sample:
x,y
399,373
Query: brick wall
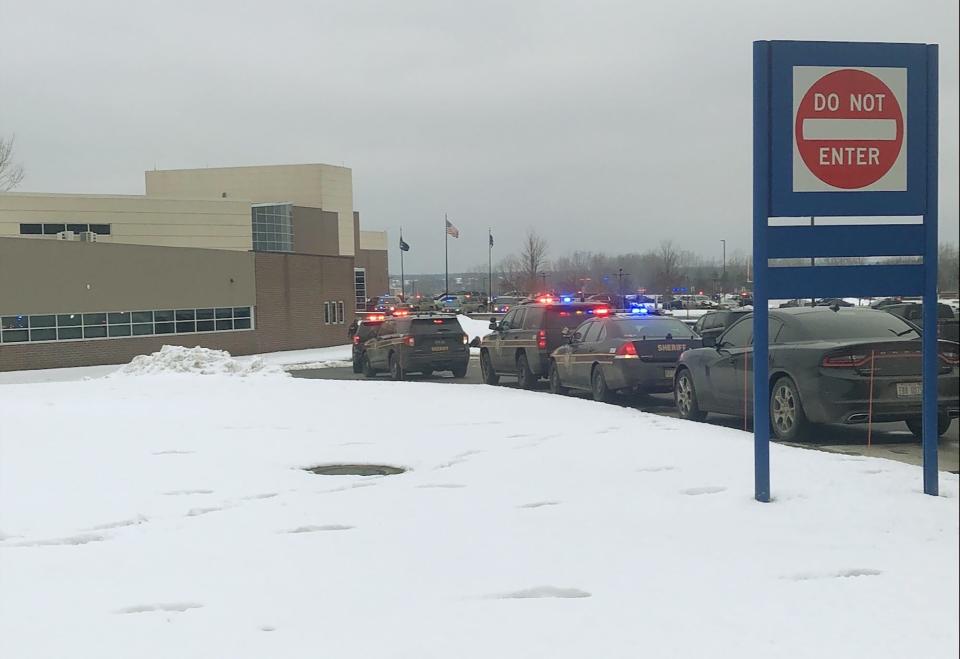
x,y
290,292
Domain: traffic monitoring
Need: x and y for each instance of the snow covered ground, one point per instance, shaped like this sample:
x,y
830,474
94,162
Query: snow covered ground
x,y
170,516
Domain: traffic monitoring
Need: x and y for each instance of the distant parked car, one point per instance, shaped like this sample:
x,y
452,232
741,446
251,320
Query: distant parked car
x,y
714,323
503,303
827,365
948,326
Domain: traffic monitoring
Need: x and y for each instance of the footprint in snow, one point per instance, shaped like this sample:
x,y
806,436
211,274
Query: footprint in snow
x,y
314,529
171,607
139,519
265,495
539,504
195,512
709,489
838,574
176,493
539,592
82,539
655,469
173,452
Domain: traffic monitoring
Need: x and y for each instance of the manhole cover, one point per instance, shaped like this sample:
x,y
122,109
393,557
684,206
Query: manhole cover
x,y
355,470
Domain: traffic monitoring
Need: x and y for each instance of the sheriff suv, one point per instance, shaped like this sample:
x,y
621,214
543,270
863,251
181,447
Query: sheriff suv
x,y
362,330
520,344
419,343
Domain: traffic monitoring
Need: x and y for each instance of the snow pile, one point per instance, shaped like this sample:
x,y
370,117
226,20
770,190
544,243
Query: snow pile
x,y
198,361
474,327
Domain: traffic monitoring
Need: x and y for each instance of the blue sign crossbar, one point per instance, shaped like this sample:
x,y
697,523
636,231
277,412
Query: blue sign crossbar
x,y
844,281
793,242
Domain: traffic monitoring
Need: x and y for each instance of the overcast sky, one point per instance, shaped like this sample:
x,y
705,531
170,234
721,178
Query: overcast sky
x,y
605,126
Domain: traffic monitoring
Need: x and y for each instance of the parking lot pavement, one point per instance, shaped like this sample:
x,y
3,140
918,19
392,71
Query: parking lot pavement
x,y
887,440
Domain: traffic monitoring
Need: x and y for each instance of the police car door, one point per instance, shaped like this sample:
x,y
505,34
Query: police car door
x,y
377,349
510,330
583,351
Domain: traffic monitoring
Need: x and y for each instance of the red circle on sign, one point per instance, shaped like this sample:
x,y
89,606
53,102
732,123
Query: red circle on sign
x,y
849,129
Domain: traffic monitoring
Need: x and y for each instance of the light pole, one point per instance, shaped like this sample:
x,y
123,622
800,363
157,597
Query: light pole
x,y
723,273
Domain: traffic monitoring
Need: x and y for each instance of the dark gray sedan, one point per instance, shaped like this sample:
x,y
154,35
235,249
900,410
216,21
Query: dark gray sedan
x,y
827,365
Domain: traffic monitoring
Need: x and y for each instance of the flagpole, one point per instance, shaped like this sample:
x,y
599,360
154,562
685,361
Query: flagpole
x,y
489,268
403,292
446,259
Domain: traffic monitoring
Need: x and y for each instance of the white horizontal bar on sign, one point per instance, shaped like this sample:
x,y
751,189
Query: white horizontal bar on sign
x,y
849,129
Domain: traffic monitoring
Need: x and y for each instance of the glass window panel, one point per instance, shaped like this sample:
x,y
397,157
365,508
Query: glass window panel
x,y
185,314
15,336
50,229
164,328
94,332
205,326
204,314
142,316
94,319
225,312
119,317
69,319
70,333
241,323
142,329
224,325
340,314
163,315
45,334
102,229
119,330
77,228
186,327
14,322
48,320
31,229
241,312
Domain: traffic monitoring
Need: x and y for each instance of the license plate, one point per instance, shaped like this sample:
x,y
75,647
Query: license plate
x,y
668,373
439,348
908,389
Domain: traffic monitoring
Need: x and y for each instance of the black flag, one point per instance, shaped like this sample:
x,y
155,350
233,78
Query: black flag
x,y
491,240
404,247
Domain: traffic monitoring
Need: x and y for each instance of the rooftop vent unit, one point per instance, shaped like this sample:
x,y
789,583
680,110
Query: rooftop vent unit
x,y
66,235
88,236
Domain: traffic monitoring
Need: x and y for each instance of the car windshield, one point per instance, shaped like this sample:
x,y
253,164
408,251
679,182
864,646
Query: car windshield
x,y
422,326
860,324
653,328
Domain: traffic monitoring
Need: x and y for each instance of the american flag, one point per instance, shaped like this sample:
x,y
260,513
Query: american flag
x,y
452,230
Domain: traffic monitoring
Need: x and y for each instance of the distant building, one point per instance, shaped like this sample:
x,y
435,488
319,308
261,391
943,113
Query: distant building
x,y
246,259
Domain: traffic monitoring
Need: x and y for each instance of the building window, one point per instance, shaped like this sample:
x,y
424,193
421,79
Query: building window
x,y
360,288
54,229
326,313
272,227
117,324
340,314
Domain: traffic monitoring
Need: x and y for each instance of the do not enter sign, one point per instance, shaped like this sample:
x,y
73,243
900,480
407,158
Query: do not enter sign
x,y
849,129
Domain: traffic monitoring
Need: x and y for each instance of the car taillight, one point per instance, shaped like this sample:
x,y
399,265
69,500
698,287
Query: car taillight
x,y
410,341
627,351
542,339
844,361
466,339
601,311
951,356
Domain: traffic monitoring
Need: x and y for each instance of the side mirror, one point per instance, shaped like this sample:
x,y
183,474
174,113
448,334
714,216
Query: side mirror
x,y
709,341
574,338
493,324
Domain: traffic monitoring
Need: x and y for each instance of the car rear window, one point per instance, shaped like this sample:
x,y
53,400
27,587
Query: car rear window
x,y
854,325
422,326
560,317
637,328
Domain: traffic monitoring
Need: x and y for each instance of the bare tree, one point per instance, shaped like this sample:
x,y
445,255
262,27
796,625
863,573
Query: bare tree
x,y
668,266
10,173
509,275
533,258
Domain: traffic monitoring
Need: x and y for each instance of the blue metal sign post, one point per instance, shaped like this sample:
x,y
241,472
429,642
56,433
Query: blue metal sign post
x,y
841,130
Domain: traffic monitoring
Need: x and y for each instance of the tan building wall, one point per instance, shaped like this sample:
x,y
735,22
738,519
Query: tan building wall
x,y
55,276
135,220
315,231
314,185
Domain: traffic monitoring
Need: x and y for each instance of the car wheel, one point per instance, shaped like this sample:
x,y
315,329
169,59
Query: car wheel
x,y
787,419
685,397
396,370
366,367
915,425
601,393
487,374
525,376
460,371
556,386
